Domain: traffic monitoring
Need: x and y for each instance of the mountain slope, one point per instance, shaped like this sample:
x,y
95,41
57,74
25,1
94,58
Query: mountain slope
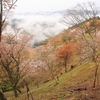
x,y
73,85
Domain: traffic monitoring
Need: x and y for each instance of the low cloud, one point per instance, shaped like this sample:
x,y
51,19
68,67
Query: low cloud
x,y
40,26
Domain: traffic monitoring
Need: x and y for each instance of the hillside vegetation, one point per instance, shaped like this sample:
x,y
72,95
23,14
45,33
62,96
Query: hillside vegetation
x,y
64,67
75,84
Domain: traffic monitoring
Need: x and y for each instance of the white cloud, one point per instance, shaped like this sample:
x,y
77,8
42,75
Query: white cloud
x,y
41,27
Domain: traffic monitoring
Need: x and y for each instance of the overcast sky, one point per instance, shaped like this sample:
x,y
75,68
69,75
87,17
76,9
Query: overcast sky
x,y
48,5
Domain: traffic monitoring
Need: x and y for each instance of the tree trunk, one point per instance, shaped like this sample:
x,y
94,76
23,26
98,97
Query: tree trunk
x,y
2,97
37,85
57,78
15,91
19,90
95,77
27,89
53,76
1,10
65,64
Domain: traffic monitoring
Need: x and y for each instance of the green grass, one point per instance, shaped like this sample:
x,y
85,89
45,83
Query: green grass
x,y
80,75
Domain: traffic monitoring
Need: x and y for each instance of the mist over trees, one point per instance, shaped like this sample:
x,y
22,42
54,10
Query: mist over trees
x,y
41,26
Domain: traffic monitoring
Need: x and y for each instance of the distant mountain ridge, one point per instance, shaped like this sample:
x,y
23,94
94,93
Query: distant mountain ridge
x,y
60,12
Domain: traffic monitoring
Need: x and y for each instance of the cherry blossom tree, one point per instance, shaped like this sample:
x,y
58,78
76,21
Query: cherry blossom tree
x,y
13,51
46,54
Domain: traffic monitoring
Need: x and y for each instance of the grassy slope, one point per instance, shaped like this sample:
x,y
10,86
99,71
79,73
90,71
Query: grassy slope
x,y
81,76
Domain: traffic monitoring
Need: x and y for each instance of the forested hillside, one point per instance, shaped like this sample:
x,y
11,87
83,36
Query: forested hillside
x,y
64,67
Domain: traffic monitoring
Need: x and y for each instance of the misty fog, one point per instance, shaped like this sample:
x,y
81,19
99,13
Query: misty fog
x,y
40,26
